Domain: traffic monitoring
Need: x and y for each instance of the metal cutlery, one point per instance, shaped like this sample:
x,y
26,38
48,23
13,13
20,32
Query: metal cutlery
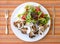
x,y
53,19
6,16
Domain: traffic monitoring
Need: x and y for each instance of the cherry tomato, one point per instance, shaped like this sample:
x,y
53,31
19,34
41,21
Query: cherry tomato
x,y
24,17
37,9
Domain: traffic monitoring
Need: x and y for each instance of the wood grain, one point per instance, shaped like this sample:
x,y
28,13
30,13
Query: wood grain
x,y
12,39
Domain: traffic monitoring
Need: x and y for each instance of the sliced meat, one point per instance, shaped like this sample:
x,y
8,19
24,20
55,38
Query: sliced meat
x,y
24,30
31,34
24,22
34,28
41,28
36,32
21,23
16,23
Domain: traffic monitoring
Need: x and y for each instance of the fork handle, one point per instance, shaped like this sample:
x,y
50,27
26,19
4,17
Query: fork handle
x,y
6,30
53,27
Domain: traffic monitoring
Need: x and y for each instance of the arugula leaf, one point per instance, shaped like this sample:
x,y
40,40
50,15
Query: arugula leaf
x,y
33,21
28,17
46,17
39,13
43,21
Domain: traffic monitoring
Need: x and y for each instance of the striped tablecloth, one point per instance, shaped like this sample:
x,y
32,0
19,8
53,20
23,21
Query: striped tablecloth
x,y
12,4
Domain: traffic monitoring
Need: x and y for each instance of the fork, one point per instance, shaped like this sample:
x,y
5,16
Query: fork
x,y
6,16
53,18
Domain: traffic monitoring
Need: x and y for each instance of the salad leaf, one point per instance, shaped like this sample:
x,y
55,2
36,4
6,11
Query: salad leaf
x,y
39,13
31,9
46,17
28,17
43,21
19,15
33,21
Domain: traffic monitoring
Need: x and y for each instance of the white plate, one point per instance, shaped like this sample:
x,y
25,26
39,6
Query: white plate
x,y
21,36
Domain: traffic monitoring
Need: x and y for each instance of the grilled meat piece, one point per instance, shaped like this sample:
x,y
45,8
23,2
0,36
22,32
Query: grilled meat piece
x,y
24,22
24,30
21,23
17,22
31,34
41,28
36,32
34,27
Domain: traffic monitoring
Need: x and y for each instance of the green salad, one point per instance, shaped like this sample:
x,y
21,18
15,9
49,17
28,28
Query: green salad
x,y
35,15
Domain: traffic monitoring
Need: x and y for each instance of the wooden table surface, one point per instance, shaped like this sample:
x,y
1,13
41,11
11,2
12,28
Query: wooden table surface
x,y
12,39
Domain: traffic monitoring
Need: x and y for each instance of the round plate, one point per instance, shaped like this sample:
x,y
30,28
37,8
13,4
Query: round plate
x,y
17,32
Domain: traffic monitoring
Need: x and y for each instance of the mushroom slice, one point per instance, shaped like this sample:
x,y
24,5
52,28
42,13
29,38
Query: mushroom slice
x,y
40,32
45,26
24,22
34,28
24,30
20,24
16,23
36,32
41,28
31,34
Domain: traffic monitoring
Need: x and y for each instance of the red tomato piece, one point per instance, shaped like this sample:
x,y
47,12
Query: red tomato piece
x,y
37,9
24,17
